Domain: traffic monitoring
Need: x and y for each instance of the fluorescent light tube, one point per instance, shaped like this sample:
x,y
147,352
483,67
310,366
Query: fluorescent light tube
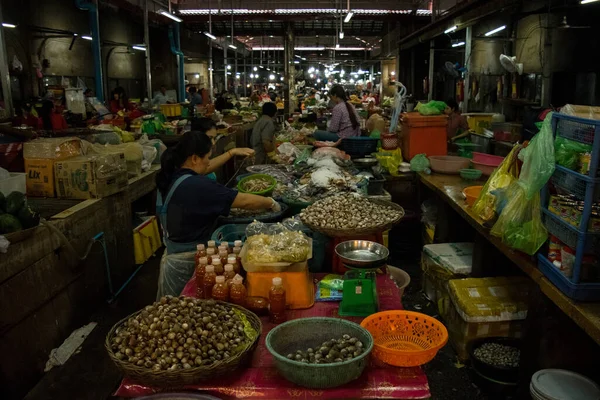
x,y
171,16
348,17
140,48
490,33
210,35
452,29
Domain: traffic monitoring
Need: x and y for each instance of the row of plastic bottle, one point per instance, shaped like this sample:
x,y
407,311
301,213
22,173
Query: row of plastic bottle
x,y
218,277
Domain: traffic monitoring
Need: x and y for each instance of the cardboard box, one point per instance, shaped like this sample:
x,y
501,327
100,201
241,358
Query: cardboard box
x,y
39,181
40,155
88,177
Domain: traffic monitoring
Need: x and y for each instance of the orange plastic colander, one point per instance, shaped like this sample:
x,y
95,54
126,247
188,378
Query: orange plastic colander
x,y
405,338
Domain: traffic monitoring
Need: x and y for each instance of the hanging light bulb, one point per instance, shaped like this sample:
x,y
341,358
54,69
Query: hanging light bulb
x,y
255,69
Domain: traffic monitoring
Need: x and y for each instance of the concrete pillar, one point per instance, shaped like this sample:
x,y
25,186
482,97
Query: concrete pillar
x,y
147,44
431,61
468,49
289,70
4,72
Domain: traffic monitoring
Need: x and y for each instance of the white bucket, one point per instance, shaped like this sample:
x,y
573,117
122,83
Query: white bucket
x,y
400,278
560,384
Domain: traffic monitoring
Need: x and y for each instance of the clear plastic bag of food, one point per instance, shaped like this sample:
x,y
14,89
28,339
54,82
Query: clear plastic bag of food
x,y
256,228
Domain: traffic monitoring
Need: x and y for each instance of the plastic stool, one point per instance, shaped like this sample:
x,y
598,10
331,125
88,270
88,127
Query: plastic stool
x,y
336,264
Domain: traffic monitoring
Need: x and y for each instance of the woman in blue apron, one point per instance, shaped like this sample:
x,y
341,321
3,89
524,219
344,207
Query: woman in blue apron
x,y
189,203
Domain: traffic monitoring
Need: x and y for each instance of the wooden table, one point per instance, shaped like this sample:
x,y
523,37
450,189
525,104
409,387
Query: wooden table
x,y
449,188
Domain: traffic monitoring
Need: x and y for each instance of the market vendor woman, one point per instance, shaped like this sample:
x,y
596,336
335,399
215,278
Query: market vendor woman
x,y
457,123
189,204
344,118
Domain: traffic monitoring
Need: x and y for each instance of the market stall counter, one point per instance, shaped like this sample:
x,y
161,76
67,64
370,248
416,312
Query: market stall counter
x,y
449,188
261,379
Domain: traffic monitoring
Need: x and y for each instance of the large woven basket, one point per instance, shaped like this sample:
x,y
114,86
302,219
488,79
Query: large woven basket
x,y
356,232
300,334
180,378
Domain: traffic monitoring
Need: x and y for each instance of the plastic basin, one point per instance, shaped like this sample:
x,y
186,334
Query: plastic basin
x,y
485,169
487,159
448,164
470,174
400,278
472,193
266,192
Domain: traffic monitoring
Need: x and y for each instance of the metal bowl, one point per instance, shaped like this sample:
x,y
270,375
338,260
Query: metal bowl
x,y
365,162
362,254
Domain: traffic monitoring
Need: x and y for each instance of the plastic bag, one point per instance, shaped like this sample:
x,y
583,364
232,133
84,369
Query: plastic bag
x,y
275,243
175,271
390,160
419,163
332,281
520,223
588,112
431,108
506,173
567,152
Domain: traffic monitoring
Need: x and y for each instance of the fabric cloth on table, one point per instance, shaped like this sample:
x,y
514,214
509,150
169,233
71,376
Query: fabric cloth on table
x,y
261,380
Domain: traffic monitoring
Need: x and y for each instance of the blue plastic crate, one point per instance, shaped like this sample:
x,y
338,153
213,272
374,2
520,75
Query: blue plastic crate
x,y
576,291
582,130
359,146
568,234
571,182
230,233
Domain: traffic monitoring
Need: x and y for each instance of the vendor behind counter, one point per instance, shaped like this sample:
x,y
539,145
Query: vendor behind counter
x,y
189,205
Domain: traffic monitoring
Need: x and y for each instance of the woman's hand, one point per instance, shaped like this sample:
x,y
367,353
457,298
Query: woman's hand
x,y
242,152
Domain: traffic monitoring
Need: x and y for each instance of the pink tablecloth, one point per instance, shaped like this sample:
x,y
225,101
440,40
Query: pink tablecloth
x,y
261,380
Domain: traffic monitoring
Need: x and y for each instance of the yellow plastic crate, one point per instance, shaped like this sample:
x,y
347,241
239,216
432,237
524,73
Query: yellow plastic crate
x,y
171,110
479,121
146,240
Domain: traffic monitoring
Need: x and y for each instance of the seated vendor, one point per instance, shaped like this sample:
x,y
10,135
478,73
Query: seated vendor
x,y
189,205
457,124
344,118
263,134
50,120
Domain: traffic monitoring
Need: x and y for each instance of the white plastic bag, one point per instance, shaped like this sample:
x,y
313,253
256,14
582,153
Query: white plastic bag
x,y
175,272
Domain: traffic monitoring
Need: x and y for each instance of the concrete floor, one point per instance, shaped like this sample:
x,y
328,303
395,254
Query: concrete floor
x,y
90,374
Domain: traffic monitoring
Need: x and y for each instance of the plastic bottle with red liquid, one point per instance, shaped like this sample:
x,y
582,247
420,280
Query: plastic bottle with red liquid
x,y
218,266
210,253
229,274
200,271
220,290
200,252
237,292
223,256
209,281
233,261
277,301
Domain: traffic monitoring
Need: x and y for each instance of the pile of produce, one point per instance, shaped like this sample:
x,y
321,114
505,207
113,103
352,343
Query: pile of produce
x,y
343,349
275,243
15,214
348,211
180,333
498,355
257,184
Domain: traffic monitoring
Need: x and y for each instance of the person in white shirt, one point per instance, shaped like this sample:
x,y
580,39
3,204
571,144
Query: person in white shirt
x,y
161,97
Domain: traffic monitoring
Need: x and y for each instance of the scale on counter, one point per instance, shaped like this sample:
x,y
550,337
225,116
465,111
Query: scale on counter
x,y
363,257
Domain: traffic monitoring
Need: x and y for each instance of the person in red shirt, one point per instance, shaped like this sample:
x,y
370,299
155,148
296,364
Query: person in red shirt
x,y
49,120
119,101
24,117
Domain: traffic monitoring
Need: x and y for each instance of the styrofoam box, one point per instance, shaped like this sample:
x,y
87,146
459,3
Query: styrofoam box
x,y
16,183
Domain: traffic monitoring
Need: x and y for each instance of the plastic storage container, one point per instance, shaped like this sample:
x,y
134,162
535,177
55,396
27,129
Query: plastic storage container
x,y
297,280
146,240
479,121
552,384
582,282
448,164
424,134
233,232
359,146
507,131
442,262
484,307
171,110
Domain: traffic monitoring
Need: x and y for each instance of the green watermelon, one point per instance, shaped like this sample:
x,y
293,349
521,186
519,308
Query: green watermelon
x,y
9,224
14,202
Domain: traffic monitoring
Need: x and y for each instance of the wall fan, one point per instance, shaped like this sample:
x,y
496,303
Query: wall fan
x,y
510,64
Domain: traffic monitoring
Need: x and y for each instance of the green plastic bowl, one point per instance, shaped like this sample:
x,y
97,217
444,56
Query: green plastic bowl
x,y
302,333
470,174
267,192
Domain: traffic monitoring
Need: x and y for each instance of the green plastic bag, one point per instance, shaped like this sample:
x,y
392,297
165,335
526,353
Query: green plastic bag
x,y
432,108
520,223
419,163
568,151
390,160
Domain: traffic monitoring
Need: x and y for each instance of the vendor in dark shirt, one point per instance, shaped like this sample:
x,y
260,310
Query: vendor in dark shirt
x,y
189,204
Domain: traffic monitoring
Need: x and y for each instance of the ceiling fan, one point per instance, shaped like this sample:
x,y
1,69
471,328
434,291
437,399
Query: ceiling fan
x,y
565,25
